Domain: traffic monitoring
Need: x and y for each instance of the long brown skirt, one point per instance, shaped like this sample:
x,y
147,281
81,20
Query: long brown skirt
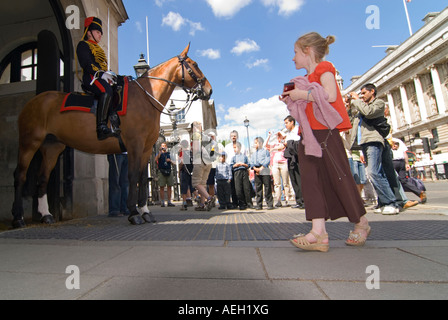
x,y
328,187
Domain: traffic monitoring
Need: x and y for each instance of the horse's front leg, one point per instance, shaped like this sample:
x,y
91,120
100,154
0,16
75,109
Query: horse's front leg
x,y
143,198
17,207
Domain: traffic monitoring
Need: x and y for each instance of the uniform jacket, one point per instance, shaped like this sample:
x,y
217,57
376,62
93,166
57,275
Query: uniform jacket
x,y
91,57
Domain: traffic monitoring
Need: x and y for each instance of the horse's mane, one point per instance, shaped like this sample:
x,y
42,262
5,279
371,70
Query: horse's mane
x,y
152,69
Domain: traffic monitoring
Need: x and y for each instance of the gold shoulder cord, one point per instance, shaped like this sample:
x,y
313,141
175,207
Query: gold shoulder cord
x,y
100,56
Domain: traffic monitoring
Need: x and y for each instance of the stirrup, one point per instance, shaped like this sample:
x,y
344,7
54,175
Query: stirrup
x,y
103,132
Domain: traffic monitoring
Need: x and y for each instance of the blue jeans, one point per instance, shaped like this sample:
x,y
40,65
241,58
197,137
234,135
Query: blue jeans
x,y
118,184
373,152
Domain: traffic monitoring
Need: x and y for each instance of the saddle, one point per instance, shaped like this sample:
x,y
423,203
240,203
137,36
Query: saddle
x,y
86,101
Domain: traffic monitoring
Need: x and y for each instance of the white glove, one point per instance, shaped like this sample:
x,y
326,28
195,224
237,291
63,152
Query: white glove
x,y
108,77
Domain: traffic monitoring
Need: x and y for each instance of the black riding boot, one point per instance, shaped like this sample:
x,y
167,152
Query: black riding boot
x,y
102,113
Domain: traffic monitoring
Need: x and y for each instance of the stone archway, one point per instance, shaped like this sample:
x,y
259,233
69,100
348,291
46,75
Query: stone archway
x,y
21,22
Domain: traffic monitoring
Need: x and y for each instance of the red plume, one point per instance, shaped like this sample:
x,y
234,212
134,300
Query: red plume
x,y
88,22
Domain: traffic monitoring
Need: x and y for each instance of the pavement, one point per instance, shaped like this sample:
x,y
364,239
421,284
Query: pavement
x,y
229,255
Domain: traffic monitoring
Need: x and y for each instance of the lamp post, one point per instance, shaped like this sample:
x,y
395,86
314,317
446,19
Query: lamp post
x,y
246,124
174,138
141,67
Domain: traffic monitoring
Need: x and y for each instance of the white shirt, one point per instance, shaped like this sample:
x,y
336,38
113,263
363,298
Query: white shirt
x,y
293,134
399,153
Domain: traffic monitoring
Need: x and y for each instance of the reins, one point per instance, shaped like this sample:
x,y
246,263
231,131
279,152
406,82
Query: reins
x,y
187,90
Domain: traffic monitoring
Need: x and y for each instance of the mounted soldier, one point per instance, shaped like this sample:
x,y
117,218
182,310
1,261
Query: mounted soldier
x,y
96,78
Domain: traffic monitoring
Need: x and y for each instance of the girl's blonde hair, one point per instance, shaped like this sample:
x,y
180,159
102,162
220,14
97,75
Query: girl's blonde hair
x,y
320,45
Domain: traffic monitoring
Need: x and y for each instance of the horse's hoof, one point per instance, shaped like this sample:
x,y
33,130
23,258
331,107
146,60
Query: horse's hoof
x,y
18,224
148,217
136,220
47,220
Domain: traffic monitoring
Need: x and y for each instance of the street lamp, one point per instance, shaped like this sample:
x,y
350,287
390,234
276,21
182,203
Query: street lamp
x,y
173,115
246,124
174,139
141,67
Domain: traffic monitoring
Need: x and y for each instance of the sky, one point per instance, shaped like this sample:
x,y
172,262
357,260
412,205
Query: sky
x,y
245,47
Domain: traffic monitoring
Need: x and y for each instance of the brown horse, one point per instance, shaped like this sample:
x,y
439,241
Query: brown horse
x,y
43,127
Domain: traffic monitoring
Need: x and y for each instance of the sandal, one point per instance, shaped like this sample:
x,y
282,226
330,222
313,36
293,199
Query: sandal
x,y
355,239
301,242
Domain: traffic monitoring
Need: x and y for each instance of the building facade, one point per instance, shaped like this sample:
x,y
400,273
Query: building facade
x,y
413,81
80,185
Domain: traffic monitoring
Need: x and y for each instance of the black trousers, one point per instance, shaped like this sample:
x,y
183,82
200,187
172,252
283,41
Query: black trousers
x,y
260,181
243,187
99,87
294,174
391,175
224,192
232,186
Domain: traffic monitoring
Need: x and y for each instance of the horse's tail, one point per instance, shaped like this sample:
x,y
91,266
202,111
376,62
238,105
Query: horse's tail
x,y
32,176
31,134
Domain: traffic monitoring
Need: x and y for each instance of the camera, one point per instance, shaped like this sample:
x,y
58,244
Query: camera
x,y
289,86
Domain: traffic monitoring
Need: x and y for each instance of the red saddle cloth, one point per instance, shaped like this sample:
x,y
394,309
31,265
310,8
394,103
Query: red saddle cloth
x,y
85,102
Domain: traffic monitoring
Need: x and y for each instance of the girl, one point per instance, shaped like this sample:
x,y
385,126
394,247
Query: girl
x,y
329,190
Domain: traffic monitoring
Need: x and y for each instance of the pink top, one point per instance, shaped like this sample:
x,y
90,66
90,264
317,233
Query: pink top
x,y
277,151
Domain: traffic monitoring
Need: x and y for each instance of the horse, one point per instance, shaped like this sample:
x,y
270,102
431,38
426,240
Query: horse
x,y
43,127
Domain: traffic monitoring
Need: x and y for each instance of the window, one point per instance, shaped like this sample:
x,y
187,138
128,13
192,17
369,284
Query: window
x,y
20,64
28,68
180,116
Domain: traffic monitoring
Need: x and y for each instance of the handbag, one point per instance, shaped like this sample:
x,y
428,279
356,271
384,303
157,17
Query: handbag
x,y
166,172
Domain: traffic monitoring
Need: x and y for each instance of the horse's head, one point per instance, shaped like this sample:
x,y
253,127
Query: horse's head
x,y
192,76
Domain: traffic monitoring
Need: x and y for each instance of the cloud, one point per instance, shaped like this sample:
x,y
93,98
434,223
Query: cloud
x,y
176,22
245,46
285,7
264,115
227,8
160,3
194,26
139,27
257,63
212,54
220,107
173,20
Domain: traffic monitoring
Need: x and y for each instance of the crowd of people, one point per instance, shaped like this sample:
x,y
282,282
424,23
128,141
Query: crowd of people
x,y
266,173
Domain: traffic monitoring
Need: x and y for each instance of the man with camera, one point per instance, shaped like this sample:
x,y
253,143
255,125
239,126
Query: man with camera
x,y
364,108
165,174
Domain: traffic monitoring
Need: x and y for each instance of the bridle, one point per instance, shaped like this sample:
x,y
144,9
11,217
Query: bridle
x,y
197,90
193,94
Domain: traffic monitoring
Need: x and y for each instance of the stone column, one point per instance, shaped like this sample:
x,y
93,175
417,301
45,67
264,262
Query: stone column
x,y
405,104
420,98
393,115
438,90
